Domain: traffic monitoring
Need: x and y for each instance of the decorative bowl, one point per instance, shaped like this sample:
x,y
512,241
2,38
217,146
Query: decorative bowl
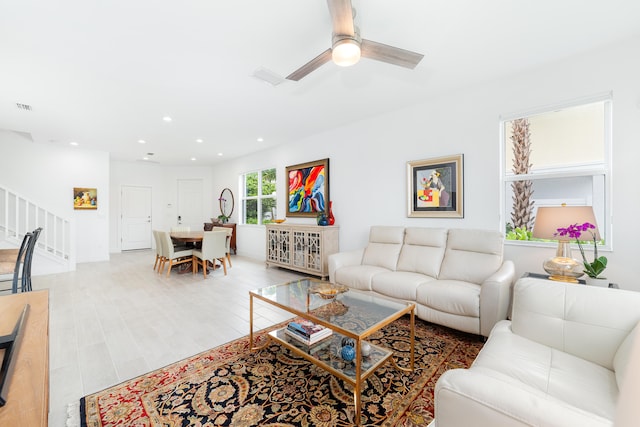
x,y
279,221
327,290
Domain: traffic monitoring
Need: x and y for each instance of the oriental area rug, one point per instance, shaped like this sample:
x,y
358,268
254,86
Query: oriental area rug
x,y
233,386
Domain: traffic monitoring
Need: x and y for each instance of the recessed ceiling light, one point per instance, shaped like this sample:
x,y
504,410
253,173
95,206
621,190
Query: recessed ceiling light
x,y
167,119
193,159
75,144
219,154
142,141
145,158
199,141
260,139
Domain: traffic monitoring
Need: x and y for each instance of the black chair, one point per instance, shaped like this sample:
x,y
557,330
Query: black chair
x,y
19,264
28,258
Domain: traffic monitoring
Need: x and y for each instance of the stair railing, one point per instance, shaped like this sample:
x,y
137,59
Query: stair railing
x,y
19,215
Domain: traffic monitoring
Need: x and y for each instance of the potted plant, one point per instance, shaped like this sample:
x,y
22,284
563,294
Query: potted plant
x,y
594,268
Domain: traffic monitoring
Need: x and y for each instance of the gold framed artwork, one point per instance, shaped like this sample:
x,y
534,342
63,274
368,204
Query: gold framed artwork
x,y
85,198
308,188
435,187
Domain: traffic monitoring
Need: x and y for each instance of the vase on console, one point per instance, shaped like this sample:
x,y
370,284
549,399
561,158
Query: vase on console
x,y
330,218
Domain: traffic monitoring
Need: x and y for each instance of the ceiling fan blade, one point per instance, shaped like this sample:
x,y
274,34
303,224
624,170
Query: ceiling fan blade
x,y
390,54
342,17
310,66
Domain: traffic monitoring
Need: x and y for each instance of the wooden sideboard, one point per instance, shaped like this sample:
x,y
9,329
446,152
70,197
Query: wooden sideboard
x,y
303,248
28,393
208,226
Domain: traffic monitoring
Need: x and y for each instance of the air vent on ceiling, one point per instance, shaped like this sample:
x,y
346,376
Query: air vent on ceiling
x,y
25,107
268,76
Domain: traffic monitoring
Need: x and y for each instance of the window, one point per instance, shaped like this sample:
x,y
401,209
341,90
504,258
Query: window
x,y
555,157
259,196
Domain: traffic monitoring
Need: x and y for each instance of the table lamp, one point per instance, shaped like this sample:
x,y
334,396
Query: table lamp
x,y
562,267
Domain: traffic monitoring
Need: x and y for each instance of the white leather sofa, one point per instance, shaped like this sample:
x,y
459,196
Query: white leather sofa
x,y
456,277
560,361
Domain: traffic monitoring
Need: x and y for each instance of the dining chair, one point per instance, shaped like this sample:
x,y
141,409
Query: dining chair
x,y
159,252
214,247
229,232
175,257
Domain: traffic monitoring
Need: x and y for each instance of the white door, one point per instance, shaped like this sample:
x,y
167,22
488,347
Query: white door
x,y
136,218
190,204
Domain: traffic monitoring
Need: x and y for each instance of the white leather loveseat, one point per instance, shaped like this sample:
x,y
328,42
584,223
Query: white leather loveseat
x,y
456,277
560,361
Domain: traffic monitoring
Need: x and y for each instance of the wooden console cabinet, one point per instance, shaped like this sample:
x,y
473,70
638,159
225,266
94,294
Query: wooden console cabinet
x,y
304,248
28,393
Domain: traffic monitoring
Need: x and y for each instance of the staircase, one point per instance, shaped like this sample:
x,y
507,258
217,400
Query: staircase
x,y
54,250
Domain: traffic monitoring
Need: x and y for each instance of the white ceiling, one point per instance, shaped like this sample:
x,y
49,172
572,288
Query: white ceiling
x,y
104,73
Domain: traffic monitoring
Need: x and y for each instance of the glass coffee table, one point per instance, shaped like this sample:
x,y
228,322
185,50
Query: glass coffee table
x,y
350,315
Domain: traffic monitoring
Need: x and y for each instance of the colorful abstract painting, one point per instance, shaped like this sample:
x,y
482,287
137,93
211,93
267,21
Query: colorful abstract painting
x,y
308,188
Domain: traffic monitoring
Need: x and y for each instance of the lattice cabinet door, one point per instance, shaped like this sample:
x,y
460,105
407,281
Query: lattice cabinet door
x,y
278,246
313,259
299,248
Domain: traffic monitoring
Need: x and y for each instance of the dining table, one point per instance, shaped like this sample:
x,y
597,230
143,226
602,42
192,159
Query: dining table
x,y
187,236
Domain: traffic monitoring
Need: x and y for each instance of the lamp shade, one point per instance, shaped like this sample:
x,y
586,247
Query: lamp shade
x,y
550,218
345,52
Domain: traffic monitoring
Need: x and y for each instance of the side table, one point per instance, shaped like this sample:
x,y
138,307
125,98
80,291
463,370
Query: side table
x,y
546,277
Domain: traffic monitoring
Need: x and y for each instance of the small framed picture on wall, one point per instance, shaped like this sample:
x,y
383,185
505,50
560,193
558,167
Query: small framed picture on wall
x,y
435,187
85,198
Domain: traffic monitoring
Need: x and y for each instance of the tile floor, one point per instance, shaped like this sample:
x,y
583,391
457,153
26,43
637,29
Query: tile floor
x,y
111,321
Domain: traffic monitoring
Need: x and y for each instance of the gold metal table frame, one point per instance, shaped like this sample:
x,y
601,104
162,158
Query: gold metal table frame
x,y
372,312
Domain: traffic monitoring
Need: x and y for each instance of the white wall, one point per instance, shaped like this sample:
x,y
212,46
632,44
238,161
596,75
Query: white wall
x,y
47,174
368,163
368,158
163,181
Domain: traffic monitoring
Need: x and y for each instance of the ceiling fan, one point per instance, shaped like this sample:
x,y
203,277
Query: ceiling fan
x,y
347,45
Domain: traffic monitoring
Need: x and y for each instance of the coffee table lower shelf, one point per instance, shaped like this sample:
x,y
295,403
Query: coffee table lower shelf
x,y
325,354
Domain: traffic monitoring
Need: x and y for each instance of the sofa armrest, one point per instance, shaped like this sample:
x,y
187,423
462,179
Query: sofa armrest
x,y
495,297
490,399
342,259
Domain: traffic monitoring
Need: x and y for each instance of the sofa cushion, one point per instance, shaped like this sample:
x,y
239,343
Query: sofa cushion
x,y
384,246
358,276
423,250
545,370
472,255
623,354
570,317
398,284
450,296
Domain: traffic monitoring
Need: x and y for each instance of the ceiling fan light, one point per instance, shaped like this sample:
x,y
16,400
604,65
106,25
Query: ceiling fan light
x,y
345,52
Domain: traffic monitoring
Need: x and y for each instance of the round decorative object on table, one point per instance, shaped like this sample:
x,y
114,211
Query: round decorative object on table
x,y
348,341
327,290
348,353
365,349
321,219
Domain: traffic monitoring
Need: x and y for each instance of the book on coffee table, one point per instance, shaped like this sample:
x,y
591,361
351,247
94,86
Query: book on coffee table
x,y
307,332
